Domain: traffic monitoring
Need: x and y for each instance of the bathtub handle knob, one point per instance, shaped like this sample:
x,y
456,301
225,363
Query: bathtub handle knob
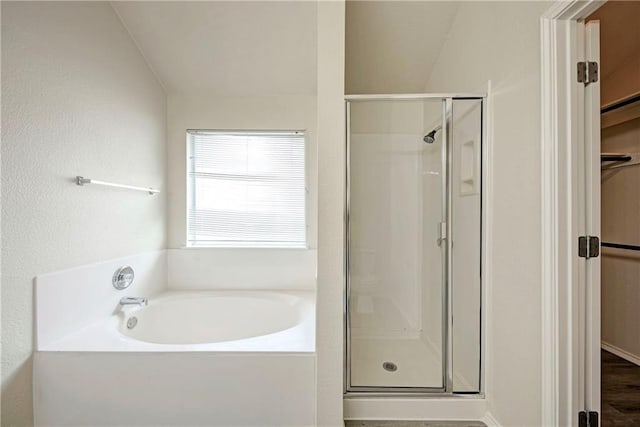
x,y
123,277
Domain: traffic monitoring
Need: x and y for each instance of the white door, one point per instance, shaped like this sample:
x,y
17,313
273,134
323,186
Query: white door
x,y
590,286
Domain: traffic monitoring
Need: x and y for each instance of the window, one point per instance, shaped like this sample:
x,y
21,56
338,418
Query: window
x,y
246,189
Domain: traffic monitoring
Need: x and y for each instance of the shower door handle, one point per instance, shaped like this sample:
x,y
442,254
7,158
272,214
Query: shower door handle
x,y
442,233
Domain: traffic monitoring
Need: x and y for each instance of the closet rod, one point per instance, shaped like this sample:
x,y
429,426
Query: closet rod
x,y
620,104
605,157
620,246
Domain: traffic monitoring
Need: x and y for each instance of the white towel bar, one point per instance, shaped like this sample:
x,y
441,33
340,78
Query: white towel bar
x,y
83,181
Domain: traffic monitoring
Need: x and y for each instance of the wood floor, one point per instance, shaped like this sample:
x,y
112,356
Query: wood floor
x,y
620,392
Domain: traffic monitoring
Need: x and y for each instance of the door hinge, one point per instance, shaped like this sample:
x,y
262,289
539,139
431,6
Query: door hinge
x,y
587,72
588,419
582,419
588,247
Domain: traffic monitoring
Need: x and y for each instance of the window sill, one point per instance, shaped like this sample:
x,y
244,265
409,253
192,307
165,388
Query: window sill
x,y
239,246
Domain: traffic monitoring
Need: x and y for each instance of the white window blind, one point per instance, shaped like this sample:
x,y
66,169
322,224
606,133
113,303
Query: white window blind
x,y
246,189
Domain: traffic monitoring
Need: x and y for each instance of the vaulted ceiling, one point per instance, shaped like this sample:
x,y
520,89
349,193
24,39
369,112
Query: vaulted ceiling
x,y
391,46
243,48
237,48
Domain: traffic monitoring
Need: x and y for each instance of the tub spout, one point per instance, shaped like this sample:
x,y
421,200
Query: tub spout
x,y
134,301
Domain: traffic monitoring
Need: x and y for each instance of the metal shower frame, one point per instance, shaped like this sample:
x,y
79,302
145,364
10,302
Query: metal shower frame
x,y
447,319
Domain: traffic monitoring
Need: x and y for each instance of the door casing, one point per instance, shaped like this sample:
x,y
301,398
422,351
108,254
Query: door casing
x,y
568,384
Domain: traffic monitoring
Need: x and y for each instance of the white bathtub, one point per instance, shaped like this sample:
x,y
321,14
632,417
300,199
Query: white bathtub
x,y
263,321
203,318
214,358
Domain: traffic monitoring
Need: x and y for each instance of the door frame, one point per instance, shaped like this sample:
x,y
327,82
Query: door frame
x,y
563,211
351,391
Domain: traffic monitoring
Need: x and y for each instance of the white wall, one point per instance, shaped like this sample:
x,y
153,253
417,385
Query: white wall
x,y
78,99
500,41
239,113
331,176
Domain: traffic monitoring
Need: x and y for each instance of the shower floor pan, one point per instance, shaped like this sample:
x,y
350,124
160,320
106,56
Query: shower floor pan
x,y
417,363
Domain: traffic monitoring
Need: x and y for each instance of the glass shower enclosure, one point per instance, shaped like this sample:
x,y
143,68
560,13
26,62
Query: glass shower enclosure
x,y
414,241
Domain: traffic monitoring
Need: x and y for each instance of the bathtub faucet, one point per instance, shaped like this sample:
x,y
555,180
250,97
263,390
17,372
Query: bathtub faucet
x,y
134,300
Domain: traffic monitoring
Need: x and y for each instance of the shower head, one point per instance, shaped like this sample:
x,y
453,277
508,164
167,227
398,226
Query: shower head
x,y
431,136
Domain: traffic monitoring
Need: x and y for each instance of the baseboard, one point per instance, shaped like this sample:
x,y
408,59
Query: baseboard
x,y
415,408
621,353
490,420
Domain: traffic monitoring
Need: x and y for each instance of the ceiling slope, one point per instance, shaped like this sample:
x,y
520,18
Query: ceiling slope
x,y
391,46
227,48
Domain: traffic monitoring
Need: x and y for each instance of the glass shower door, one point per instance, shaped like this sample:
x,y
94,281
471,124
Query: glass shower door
x,y
397,188
414,244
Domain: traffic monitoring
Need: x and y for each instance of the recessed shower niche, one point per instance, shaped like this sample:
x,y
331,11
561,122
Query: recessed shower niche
x,y
414,244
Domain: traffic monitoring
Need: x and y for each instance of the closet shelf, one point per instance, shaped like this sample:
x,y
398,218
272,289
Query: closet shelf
x,y
620,104
621,112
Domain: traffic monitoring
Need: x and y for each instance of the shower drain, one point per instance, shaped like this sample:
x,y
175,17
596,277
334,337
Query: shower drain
x,y
390,366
